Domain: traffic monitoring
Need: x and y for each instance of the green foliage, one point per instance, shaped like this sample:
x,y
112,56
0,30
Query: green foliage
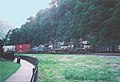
x,y
93,20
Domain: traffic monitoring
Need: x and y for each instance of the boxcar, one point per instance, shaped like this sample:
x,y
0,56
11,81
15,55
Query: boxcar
x,y
9,48
22,48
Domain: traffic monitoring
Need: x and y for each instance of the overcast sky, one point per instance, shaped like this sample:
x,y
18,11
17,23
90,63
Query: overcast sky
x,y
16,12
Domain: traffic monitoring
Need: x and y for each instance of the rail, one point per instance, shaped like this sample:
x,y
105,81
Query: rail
x,y
33,61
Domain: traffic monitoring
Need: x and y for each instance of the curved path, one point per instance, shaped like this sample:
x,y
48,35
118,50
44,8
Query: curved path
x,y
23,74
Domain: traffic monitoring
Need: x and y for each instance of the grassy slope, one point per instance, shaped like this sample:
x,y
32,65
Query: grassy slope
x,y
7,69
78,68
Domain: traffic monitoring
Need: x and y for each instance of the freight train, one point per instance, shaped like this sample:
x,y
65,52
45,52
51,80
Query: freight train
x,y
61,49
58,49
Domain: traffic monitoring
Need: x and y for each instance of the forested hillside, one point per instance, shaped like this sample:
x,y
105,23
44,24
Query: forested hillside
x,y
4,28
95,20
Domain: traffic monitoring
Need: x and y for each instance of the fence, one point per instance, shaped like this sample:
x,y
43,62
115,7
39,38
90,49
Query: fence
x,y
33,61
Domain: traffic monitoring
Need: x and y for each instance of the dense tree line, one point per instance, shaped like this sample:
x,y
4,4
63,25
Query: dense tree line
x,y
95,20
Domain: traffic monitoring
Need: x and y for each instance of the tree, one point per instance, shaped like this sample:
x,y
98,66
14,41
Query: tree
x,y
66,20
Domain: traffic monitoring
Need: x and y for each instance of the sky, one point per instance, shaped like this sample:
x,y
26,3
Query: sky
x,y
16,12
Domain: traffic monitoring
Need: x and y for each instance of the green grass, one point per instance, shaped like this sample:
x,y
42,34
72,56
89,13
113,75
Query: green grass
x,y
7,68
77,68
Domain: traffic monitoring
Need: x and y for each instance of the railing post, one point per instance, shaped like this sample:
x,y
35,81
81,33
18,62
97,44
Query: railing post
x,y
18,60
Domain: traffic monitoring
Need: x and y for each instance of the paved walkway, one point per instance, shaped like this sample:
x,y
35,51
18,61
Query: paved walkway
x,y
23,74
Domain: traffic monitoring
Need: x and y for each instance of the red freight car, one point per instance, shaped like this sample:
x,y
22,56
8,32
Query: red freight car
x,y
22,48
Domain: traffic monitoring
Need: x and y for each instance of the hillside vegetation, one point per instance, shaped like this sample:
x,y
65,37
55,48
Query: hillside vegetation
x,y
71,20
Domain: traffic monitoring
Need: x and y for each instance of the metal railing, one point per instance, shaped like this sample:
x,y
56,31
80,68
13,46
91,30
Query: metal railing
x,y
33,61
